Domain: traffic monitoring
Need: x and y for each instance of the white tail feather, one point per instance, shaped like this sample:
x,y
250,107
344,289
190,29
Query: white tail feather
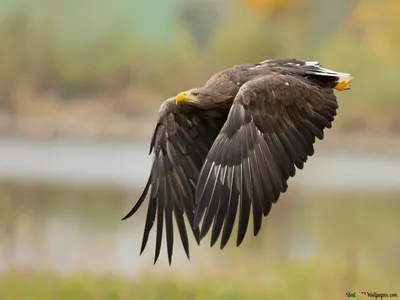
x,y
312,68
327,72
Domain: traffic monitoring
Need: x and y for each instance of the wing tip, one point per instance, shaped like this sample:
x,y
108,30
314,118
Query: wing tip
x,y
212,242
144,243
226,235
256,230
140,201
239,241
126,217
129,214
197,235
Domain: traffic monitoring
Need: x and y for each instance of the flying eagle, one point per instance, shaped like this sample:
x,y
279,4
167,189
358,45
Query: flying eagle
x,y
233,144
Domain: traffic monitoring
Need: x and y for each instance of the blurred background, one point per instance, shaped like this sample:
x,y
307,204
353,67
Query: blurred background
x,y
80,86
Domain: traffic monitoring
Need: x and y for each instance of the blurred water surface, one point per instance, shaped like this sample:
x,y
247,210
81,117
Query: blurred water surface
x,y
68,230
128,164
340,203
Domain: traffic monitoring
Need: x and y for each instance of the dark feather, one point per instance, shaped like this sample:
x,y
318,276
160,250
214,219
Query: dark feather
x,y
180,143
270,130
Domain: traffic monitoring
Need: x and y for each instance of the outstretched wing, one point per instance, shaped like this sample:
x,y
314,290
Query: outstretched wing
x,y
180,143
270,130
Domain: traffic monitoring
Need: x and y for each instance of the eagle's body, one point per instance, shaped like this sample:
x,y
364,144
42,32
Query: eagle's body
x,y
233,144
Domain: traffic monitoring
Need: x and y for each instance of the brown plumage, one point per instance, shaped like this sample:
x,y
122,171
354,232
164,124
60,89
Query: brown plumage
x,y
233,144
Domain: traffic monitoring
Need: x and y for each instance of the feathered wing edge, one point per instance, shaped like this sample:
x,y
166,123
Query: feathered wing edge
x,y
180,143
266,136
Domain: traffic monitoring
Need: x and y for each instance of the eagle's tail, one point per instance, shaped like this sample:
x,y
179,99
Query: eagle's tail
x,y
313,70
342,80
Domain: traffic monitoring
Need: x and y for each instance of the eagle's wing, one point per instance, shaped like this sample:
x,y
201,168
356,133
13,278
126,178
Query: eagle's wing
x,y
180,143
271,128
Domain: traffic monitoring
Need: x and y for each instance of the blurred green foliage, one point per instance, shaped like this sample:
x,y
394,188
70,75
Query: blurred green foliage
x,y
100,48
45,286
300,282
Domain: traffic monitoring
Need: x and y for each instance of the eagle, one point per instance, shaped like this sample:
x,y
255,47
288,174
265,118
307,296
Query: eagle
x,y
232,145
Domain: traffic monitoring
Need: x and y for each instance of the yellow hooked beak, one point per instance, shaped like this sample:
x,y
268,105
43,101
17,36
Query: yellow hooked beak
x,y
185,97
